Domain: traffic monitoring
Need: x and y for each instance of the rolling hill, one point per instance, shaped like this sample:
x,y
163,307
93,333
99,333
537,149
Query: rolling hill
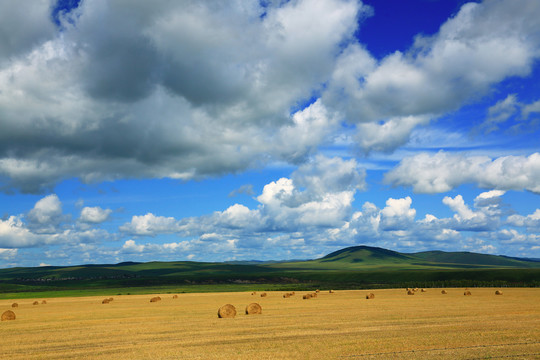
x,y
357,266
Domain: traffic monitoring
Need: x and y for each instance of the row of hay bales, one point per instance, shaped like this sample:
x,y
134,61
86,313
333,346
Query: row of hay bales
x,y
107,300
14,305
10,315
444,292
229,311
288,295
309,296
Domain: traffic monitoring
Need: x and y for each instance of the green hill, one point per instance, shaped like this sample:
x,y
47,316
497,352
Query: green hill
x,y
468,258
357,266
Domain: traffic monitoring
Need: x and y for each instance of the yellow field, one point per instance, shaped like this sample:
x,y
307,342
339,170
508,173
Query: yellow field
x,y
343,325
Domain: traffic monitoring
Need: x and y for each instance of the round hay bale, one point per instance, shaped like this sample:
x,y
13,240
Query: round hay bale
x,y
35,303
370,296
254,293
44,302
226,311
443,292
498,292
263,295
467,293
111,299
424,290
8,315
286,296
253,309
331,291
307,296
105,301
410,292
415,289
155,299
175,297
14,305
317,290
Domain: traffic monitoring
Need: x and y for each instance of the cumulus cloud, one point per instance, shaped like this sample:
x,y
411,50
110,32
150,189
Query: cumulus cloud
x,y
46,224
531,221
201,71
14,234
150,225
46,215
317,196
94,215
441,172
397,215
481,45
232,73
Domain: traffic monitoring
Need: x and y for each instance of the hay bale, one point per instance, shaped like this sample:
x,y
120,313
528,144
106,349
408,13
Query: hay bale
x,y
424,290
410,292
155,299
35,303
14,305
105,301
415,289
254,293
443,292
226,311
370,296
306,297
331,291
498,292
317,290
44,302
253,309
286,296
467,293
293,293
8,315
175,297
314,295
263,295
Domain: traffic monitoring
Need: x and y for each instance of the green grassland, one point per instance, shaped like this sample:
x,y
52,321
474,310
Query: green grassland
x,y
354,267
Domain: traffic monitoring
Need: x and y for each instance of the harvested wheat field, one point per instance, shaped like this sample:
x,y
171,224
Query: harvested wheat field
x,y
331,326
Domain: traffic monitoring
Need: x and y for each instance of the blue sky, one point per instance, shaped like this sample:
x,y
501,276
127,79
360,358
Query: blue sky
x,y
271,130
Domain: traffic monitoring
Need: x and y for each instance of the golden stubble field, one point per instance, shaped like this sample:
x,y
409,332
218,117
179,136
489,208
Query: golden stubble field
x,y
343,325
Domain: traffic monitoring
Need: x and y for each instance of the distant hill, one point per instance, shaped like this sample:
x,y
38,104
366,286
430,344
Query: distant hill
x,y
357,266
367,257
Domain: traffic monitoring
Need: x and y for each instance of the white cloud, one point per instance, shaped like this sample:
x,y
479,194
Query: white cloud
x,y
130,247
150,225
397,214
389,135
441,172
531,221
458,205
14,234
481,45
46,214
94,215
224,73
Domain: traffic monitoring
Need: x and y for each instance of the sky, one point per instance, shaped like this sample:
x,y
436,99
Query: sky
x,y
267,130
